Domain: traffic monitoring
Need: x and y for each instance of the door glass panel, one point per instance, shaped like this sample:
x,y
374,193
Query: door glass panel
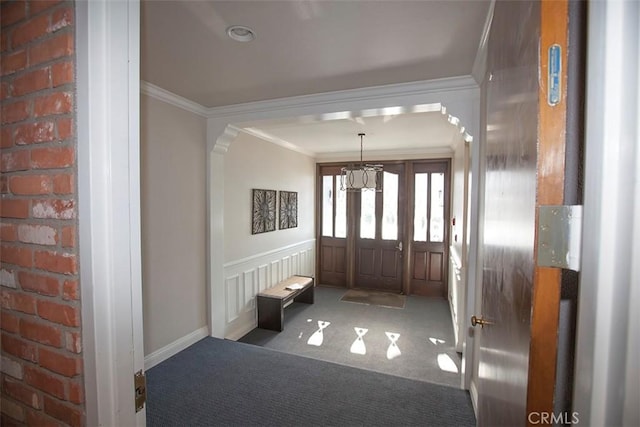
x,y
420,210
436,226
368,214
341,211
327,206
390,207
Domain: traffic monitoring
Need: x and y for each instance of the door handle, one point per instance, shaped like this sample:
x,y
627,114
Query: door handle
x,y
479,321
399,247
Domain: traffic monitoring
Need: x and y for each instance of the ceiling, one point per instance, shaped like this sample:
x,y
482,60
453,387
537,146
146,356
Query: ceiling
x,y
313,46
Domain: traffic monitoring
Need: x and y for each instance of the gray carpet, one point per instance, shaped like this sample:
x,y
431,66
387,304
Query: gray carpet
x,y
424,336
383,299
224,383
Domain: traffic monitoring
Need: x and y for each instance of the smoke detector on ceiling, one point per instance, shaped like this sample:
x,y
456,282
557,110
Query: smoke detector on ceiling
x,y
241,33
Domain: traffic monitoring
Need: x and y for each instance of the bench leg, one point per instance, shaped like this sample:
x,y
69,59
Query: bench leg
x,y
306,296
270,314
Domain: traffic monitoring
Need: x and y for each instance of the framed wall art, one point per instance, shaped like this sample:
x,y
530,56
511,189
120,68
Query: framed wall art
x,y
263,216
288,209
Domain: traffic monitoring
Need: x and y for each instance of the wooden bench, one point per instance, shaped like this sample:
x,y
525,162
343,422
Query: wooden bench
x,y
272,301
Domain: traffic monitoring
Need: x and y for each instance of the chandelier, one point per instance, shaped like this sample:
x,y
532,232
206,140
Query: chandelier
x,y
356,177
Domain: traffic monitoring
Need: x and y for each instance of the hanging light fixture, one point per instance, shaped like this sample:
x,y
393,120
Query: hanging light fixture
x,y
361,176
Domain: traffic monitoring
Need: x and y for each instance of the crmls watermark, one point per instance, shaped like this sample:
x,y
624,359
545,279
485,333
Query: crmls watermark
x,y
547,418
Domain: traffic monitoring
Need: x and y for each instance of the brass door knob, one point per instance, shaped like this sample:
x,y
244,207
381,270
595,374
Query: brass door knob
x,y
479,321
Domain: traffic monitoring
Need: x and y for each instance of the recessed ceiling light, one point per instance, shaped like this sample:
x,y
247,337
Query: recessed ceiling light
x,y
241,33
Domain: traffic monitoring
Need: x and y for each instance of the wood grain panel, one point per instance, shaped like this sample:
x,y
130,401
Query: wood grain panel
x,y
367,261
435,267
327,258
420,265
340,260
389,263
550,191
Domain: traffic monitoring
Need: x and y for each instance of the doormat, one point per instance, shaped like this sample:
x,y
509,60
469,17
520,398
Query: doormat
x,y
383,299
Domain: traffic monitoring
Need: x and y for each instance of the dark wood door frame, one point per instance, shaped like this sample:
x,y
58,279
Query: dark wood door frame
x,y
407,228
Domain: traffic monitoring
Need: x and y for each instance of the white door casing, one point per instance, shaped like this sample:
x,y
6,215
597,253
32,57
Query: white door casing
x,y
108,93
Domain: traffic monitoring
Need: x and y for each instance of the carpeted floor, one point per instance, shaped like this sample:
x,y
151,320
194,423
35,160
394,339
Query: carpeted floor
x,y
414,342
383,299
224,383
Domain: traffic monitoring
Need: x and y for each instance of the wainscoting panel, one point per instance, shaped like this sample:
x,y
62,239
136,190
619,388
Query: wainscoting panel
x,y
232,288
245,278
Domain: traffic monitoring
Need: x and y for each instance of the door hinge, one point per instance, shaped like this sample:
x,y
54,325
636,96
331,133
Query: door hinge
x,y
140,383
559,236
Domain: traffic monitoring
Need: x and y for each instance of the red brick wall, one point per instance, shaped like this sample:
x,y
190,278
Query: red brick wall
x,y
42,371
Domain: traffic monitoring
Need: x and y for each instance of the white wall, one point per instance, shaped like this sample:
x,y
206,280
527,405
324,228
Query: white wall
x,y
173,153
457,267
254,163
256,262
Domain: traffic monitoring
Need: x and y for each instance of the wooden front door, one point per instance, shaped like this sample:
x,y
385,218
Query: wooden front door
x,y
429,250
379,229
333,228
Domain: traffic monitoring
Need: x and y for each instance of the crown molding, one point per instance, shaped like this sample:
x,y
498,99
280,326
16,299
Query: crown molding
x,y
461,85
265,136
171,98
479,68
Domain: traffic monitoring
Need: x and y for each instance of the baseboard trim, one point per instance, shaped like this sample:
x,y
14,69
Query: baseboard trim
x,y
239,333
175,347
473,392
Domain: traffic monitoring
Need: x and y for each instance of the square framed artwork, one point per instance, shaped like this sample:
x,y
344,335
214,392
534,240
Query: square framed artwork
x,y
288,209
263,217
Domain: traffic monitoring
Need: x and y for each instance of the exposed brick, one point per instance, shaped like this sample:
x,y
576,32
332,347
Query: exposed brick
x,y
7,278
73,342
37,234
12,12
63,184
19,348
4,40
8,232
10,322
70,290
30,133
41,332
19,392
31,30
76,392
11,367
4,185
16,255
54,209
59,313
61,73
10,208
52,157
38,418
61,18
13,410
36,7
59,363
56,262
11,300
15,161
44,285
32,82
6,137
44,381
55,103
30,184
52,48
66,413
5,90
65,128
13,62
15,112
